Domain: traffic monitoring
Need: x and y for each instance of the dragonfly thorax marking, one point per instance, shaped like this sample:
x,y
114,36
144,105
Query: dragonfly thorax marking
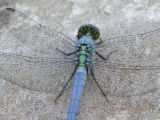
x,y
85,50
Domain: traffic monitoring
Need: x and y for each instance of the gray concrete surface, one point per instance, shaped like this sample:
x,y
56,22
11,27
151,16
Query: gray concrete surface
x,y
113,18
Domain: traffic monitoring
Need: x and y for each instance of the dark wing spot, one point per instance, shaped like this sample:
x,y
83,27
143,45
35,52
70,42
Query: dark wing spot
x,y
11,9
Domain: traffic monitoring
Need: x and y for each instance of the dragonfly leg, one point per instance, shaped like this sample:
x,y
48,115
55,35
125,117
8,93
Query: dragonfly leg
x,y
105,58
92,74
100,42
66,54
64,87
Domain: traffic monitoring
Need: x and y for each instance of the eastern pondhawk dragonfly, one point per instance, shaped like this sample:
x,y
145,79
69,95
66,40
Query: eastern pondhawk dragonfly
x,y
130,66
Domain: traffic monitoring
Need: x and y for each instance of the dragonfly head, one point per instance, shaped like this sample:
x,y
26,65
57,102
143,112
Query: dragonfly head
x,y
89,30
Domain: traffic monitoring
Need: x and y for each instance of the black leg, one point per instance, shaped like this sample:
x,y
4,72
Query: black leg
x,y
105,58
66,54
65,85
92,74
100,42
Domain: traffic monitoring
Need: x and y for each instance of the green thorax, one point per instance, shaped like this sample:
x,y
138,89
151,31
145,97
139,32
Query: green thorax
x,y
85,50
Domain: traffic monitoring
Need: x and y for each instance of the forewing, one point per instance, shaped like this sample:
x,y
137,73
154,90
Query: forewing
x,y
132,47
26,30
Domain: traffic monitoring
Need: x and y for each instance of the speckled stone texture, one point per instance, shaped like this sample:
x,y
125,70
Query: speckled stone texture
x,y
113,18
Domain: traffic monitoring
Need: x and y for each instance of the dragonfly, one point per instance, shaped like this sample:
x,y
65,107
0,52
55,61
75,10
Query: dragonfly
x,y
127,65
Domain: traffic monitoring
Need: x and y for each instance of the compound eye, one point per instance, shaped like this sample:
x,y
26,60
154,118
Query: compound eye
x,y
88,29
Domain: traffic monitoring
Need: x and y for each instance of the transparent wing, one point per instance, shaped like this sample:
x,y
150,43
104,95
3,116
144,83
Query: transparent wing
x,y
126,80
47,73
133,47
134,68
25,29
35,73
